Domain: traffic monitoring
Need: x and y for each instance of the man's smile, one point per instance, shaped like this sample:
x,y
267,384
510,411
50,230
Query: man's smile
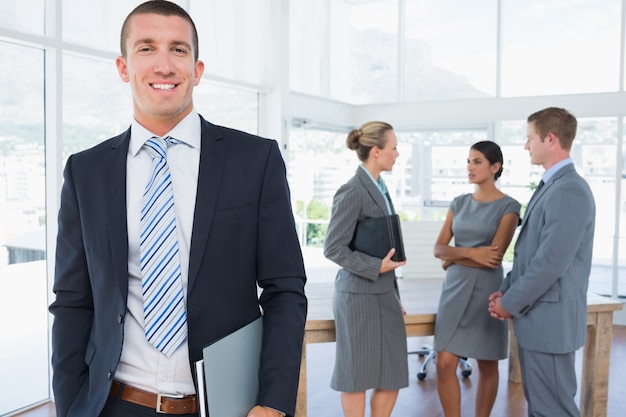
x,y
163,86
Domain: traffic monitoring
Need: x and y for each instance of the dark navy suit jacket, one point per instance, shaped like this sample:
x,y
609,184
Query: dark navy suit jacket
x,y
243,234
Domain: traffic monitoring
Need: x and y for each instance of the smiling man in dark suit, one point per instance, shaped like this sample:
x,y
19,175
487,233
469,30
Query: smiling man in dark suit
x,y
546,291
234,228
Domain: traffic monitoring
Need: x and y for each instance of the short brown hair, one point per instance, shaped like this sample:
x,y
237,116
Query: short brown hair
x,y
163,8
558,121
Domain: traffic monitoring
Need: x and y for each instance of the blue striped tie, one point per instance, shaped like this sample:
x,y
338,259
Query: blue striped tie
x,y
164,305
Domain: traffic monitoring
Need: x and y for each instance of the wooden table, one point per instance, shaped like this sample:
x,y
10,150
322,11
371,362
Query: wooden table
x,y
597,349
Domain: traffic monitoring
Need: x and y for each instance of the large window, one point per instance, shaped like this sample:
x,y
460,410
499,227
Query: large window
x,y
234,38
318,163
308,49
553,47
379,51
92,111
449,49
96,24
227,105
345,50
23,15
23,298
436,168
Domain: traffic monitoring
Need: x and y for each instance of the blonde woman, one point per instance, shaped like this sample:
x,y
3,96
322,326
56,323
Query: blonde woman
x,y
371,337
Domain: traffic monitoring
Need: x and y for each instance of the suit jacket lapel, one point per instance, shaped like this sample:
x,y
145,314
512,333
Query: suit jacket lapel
x,y
533,202
212,156
115,203
372,189
560,173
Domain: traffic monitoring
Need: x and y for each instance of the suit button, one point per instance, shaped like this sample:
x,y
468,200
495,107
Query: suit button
x,y
109,375
120,319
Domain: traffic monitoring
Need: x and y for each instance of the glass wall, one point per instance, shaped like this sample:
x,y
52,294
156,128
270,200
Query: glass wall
x,y
92,111
449,49
345,50
96,24
505,59
23,15
23,298
551,47
227,105
234,38
380,51
319,162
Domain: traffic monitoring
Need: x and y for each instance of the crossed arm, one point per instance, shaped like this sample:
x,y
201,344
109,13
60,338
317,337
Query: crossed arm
x,y
475,257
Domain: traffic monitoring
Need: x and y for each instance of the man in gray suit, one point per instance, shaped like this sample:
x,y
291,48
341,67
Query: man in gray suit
x,y
545,293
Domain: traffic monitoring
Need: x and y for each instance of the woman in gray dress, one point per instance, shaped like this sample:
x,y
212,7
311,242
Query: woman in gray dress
x,y
483,224
371,338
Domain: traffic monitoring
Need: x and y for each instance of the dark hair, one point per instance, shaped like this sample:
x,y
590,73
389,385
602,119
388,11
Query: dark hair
x,y
163,8
492,152
558,121
363,139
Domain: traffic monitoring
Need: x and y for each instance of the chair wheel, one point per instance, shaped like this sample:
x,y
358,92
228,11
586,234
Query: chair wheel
x,y
421,376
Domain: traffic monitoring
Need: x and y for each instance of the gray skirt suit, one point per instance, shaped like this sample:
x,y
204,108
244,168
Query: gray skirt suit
x,y
464,326
371,344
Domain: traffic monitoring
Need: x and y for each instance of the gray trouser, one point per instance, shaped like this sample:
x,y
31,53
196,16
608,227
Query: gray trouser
x,y
549,382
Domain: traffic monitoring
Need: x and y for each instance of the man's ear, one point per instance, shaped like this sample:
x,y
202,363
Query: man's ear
x,y
198,70
552,138
122,68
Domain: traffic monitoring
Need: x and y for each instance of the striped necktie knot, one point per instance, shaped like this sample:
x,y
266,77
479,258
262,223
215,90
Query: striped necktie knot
x,y
157,147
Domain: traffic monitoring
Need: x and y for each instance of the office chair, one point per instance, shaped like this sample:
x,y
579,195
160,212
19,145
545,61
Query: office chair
x,y
431,355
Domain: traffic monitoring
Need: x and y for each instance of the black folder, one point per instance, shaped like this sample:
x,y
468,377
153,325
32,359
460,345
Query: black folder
x,y
375,236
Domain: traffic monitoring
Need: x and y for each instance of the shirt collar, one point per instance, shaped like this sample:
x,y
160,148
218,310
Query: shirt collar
x,y
554,168
380,183
187,130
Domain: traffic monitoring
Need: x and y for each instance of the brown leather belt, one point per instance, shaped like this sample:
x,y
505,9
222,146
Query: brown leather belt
x,y
162,403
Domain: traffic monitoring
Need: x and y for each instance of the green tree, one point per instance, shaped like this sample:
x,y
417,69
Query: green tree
x,y
319,213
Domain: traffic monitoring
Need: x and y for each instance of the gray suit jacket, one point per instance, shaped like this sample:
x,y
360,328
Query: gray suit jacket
x,y
358,199
546,291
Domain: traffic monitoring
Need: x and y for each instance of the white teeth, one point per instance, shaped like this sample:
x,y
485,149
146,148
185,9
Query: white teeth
x,y
163,86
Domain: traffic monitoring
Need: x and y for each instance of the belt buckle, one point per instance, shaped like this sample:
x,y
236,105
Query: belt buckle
x,y
160,396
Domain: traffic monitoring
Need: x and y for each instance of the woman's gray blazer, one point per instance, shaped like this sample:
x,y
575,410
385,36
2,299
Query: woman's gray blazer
x,y
359,198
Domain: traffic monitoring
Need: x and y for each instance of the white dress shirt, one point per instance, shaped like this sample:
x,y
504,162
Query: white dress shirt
x,y
141,365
